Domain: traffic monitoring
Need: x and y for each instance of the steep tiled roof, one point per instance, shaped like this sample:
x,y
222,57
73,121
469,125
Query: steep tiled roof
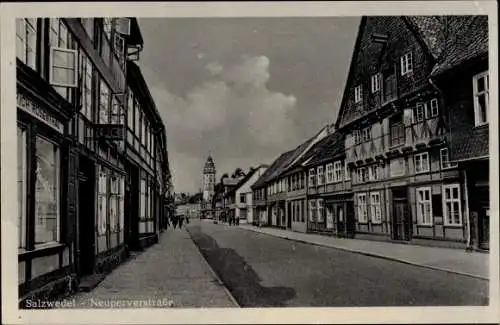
x,y
469,143
277,163
243,180
429,28
467,39
328,148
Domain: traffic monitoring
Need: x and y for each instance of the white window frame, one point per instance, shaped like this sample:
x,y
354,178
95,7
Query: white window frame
x,y
75,67
444,159
424,219
312,208
320,175
476,94
320,203
312,177
420,112
329,173
406,63
375,208
375,82
403,169
362,208
419,169
337,171
452,200
29,27
366,134
347,172
434,107
358,91
373,173
357,136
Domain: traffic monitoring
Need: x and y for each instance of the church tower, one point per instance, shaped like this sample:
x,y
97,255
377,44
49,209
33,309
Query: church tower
x,y
208,180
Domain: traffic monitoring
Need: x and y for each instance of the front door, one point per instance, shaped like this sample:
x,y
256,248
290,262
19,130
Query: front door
x,y
350,223
132,207
86,216
484,228
289,223
401,224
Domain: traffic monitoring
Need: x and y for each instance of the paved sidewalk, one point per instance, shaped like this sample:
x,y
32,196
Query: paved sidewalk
x,y
458,261
172,273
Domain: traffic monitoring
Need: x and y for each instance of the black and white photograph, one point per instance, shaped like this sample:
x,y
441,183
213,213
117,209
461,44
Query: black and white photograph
x,y
208,161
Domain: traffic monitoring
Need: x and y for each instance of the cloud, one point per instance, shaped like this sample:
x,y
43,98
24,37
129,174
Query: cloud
x,y
233,114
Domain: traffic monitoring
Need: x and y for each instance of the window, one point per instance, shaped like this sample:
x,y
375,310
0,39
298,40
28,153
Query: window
x,y
451,205
390,88
445,159
63,57
88,25
481,88
362,173
373,173
137,111
103,103
312,210
397,167
397,133
375,209
358,94
357,136
102,201
130,110
366,134
312,177
321,210
243,198
321,175
114,203
47,192
424,206
26,39
116,111
434,108
406,64
347,172
21,185
376,79
86,89
422,162
337,170
420,112
329,173
362,212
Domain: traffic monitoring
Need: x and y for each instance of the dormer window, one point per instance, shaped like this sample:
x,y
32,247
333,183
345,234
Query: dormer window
x,y
357,94
481,98
406,64
376,80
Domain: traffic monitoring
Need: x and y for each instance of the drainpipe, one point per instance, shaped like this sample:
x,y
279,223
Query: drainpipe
x,y
467,214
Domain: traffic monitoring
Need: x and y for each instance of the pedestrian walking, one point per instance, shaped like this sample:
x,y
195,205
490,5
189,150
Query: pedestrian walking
x,y
230,221
181,219
187,220
174,221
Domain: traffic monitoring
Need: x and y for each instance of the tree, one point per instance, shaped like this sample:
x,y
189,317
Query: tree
x,y
225,175
238,172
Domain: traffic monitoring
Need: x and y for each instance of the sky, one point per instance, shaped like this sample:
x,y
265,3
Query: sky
x,y
244,90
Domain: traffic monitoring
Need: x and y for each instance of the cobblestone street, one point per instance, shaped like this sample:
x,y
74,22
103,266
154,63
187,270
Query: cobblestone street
x,y
171,273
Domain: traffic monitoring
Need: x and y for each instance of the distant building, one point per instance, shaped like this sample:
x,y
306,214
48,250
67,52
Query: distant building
x,y
209,174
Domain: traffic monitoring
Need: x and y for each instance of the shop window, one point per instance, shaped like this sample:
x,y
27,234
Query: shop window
x,y
26,40
47,198
424,206
451,205
21,185
104,103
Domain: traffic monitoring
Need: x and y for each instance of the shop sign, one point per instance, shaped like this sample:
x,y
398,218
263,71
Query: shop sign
x,y
113,132
34,109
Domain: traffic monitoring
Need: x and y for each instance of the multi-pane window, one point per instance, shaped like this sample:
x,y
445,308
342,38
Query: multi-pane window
x,y
347,172
312,178
422,162
376,81
434,108
130,110
362,174
137,114
358,91
337,171
451,205
426,110
47,189
321,210
445,159
362,208
397,167
116,111
21,185
104,102
357,136
424,206
366,134
481,88
312,210
329,173
102,195
373,172
406,63
63,58
375,208
398,136
321,175
26,39
86,89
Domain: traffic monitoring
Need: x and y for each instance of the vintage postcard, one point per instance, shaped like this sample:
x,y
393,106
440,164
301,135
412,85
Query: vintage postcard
x,y
265,162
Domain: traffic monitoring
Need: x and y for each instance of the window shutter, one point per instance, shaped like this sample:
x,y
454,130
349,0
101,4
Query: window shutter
x,y
63,67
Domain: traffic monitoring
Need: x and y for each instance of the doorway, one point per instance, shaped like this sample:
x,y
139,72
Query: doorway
x,y
289,216
400,216
350,223
86,216
132,207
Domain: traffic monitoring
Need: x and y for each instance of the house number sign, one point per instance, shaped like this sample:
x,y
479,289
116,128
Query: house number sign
x,y
34,109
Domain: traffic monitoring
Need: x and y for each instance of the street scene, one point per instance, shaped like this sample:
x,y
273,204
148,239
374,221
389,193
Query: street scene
x,y
253,162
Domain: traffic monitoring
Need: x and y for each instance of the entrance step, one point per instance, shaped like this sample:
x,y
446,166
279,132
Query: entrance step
x,y
89,282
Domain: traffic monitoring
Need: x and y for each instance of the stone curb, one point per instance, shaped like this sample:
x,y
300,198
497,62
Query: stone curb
x,y
214,274
390,258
